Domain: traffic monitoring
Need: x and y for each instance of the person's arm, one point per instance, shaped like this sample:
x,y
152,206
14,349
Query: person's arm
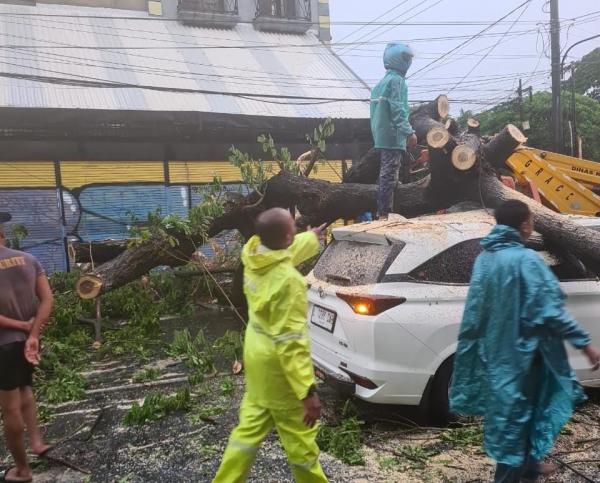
x,y
45,302
399,107
545,303
292,346
545,299
13,324
305,246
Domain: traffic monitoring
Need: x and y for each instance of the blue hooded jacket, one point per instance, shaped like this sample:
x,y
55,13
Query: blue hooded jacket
x,y
511,366
389,100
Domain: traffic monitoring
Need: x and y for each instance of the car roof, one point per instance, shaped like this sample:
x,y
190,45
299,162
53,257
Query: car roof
x,y
426,236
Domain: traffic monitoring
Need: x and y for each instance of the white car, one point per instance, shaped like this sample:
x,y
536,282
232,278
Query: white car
x,y
386,301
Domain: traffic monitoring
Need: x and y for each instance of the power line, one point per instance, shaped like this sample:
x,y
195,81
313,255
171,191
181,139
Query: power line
x,y
462,44
403,22
89,81
373,21
251,22
478,63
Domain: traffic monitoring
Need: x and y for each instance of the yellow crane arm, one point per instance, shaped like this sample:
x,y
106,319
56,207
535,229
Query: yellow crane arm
x,y
563,181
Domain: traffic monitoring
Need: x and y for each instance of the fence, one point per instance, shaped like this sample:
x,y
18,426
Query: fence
x,y
59,201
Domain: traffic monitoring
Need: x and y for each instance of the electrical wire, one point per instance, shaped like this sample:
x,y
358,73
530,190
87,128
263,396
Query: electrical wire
x,y
372,21
462,44
403,22
498,42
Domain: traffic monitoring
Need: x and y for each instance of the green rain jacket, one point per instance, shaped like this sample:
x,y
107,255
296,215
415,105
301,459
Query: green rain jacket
x,y
511,366
277,360
390,111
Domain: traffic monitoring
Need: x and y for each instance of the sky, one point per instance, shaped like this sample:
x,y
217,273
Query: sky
x,y
483,72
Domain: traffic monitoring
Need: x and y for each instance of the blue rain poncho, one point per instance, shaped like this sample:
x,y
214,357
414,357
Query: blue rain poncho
x,y
511,365
389,100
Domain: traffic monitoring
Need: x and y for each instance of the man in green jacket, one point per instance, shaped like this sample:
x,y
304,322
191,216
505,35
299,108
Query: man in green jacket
x,y
511,366
280,380
389,121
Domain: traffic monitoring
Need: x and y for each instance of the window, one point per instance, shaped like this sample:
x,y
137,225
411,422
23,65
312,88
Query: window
x,y
350,263
453,265
285,9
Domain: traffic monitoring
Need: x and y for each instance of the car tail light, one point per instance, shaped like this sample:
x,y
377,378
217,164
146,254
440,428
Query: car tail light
x,y
370,304
360,380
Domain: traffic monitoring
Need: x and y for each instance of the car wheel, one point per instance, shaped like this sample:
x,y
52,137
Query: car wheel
x,y
439,405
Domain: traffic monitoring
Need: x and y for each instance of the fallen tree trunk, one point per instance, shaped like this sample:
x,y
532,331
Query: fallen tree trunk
x,y
366,170
452,179
97,252
133,263
557,229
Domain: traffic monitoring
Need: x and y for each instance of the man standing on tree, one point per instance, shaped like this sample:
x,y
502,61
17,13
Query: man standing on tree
x,y
280,380
389,122
511,366
25,304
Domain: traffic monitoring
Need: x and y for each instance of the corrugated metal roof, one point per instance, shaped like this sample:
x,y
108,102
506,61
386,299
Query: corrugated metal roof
x,y
298,66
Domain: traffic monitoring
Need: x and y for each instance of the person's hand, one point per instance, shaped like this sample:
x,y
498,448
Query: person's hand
x,y
319,231
593,356
27,325
312,409
32,350
411,140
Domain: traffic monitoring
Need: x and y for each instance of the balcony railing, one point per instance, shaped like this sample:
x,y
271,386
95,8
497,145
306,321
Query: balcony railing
x,y
291,16
209,13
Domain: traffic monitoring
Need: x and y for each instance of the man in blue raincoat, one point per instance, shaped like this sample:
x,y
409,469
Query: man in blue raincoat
x,y
389,121
511,366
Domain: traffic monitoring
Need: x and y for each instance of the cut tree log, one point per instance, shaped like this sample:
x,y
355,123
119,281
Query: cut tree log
x,y
473,126
502,145
437,109
465,156
438,137
429,116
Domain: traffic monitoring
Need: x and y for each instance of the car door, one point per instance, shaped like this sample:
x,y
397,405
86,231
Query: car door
x,y
582,289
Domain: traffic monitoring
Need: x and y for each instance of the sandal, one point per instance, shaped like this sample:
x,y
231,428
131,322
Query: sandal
x,y
13,480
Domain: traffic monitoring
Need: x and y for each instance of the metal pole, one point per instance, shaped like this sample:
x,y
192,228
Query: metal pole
x,y
63,218
556,77
573,109
520,93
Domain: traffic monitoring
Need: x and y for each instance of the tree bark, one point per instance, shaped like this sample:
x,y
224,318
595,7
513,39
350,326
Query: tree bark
x,y
98,252
429,116
452,127
366,170
133,263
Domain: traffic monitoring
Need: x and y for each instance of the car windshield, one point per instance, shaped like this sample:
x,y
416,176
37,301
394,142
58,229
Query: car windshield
x,y
350,263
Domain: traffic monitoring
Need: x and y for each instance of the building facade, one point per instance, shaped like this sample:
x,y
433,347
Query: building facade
x,y
110,109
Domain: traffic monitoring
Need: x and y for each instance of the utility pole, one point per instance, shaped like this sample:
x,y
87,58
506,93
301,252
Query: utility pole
x,y
520,94
557,135
524,123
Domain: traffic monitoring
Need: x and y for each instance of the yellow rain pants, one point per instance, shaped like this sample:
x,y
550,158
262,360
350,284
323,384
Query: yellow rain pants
x,y
255,424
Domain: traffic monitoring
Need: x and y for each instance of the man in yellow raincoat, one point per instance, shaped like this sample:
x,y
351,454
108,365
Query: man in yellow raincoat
x,y
280,390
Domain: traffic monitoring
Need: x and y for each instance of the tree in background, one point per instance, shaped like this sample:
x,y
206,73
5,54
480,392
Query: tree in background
x,y
537,112
587,75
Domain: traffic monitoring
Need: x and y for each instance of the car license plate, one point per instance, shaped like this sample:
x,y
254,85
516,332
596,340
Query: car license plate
x,y
323,318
